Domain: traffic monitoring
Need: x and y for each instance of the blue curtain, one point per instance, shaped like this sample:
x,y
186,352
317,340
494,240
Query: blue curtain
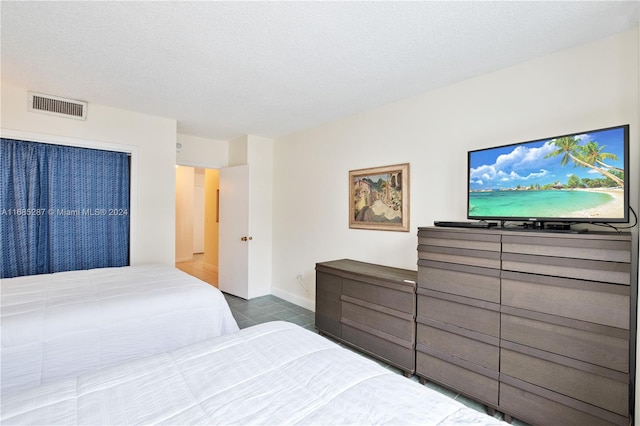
x,y
62,208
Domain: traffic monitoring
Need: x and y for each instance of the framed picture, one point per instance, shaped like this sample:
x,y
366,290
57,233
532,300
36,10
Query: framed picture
x,y
379,198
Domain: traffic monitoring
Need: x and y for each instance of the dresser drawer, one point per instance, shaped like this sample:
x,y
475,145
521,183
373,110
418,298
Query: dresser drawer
x,y
596,302
593,270
593,343
394,351
471,314
388,321
581,381
604,248
483,240
402,299
546,408
466,381
463,280
460,256
477,348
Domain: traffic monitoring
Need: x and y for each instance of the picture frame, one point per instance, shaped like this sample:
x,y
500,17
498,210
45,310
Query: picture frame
x,y
379,198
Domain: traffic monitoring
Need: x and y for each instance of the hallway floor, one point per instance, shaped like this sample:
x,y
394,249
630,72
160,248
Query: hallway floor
x,y
199,269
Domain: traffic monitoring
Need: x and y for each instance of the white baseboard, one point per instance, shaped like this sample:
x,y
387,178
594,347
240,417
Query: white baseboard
x,y
296,300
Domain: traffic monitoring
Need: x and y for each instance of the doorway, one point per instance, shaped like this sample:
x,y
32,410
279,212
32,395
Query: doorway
x,y
197,222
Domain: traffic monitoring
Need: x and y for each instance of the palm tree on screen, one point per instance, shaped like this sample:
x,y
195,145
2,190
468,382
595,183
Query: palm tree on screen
x,y
570,150
593,154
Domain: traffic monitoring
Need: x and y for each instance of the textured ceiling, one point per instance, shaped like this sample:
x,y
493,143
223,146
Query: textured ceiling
x,y
224,69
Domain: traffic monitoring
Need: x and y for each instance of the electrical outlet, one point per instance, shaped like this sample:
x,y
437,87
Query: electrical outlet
x,y
300,279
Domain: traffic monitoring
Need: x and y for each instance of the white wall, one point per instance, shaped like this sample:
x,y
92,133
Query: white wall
x,y
260,160
587,87
152,143
202,152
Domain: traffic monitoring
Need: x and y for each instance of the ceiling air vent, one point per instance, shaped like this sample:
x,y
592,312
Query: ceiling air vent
x,y
55,105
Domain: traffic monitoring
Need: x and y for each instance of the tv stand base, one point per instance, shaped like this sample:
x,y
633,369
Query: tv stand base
x,y
539,226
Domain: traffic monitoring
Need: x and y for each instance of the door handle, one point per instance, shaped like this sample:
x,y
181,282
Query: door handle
x,y
246,238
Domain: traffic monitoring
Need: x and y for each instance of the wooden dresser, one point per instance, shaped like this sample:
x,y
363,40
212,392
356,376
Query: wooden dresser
x,y
534,324
370,307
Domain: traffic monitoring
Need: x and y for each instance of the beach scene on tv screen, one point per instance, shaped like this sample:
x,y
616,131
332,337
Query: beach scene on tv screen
x,y
579,176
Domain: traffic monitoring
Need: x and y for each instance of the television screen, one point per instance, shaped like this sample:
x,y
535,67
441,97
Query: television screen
x,y
580,177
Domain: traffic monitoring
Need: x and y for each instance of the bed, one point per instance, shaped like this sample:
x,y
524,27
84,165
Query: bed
x,y
274,373
67,323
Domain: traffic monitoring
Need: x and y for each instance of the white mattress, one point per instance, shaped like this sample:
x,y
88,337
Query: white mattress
x,y
274,373
68,323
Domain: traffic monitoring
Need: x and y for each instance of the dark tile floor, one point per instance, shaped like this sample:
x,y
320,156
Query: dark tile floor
x,y
271,308
268,308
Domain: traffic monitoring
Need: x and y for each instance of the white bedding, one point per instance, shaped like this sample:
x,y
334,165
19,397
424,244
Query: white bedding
x,y
68,323
274,373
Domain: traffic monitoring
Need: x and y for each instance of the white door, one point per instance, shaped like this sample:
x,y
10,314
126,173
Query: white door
x,y
234,238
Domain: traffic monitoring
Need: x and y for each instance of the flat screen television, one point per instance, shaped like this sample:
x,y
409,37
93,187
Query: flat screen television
x,y
576,178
